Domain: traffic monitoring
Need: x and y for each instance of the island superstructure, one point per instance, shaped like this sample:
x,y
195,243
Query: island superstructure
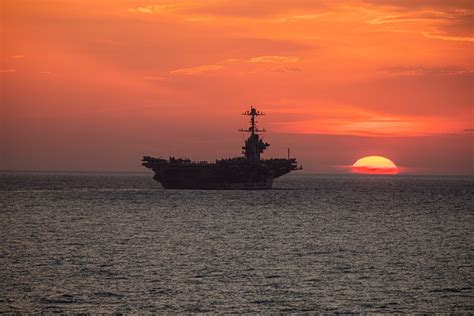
x,y
247,172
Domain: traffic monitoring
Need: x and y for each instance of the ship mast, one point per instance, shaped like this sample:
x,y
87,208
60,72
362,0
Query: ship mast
x,y
254,146
253,127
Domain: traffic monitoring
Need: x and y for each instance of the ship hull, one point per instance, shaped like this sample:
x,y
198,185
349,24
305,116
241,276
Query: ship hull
x,y
214,177
226,174
202,183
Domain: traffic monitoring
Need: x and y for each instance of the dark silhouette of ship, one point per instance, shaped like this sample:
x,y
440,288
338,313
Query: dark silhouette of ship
x,y
248,172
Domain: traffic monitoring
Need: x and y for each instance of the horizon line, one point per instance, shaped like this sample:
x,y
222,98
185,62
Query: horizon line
x,y
295,174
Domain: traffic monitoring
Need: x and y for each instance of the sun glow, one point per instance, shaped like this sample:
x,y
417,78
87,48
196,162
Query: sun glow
x,y
374,165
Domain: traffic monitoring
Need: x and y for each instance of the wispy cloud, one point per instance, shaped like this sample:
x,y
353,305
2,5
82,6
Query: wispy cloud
x,y
300,17
153,9
275,10
273,59
196,70
17,56
7,70
448,37
399,19
350,120
279,60
285,69
448,25
426,71
419,4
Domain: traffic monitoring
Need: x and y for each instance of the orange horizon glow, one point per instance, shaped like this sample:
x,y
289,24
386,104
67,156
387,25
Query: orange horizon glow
x,y
95,84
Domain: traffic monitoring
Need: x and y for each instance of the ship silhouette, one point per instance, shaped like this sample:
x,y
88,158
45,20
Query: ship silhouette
x,y
249,172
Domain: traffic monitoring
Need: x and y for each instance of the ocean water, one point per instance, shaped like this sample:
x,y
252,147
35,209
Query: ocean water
x,y
107,243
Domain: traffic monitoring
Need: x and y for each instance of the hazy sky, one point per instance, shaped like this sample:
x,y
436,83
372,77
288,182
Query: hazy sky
x,y
94,85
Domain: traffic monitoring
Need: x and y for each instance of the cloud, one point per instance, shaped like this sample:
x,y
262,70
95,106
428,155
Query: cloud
x,y
7,70
196,70
156,9
450,25
351,120
279,60
403,18
17,56
273,59
460,24
418,4
373,127
250,9
300,17
448,37
425,71
287,69
276,10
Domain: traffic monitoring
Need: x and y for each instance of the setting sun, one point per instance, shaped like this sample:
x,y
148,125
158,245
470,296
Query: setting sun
x,y
374,165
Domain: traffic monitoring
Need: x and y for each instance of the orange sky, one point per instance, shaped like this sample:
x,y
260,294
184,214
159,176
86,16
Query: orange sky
x,y
93,85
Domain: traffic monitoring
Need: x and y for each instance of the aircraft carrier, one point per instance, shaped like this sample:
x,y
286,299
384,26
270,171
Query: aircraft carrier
x,y
249,172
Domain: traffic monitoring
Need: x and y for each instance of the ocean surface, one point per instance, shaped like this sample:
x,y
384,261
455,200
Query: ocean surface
x,y
102,243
